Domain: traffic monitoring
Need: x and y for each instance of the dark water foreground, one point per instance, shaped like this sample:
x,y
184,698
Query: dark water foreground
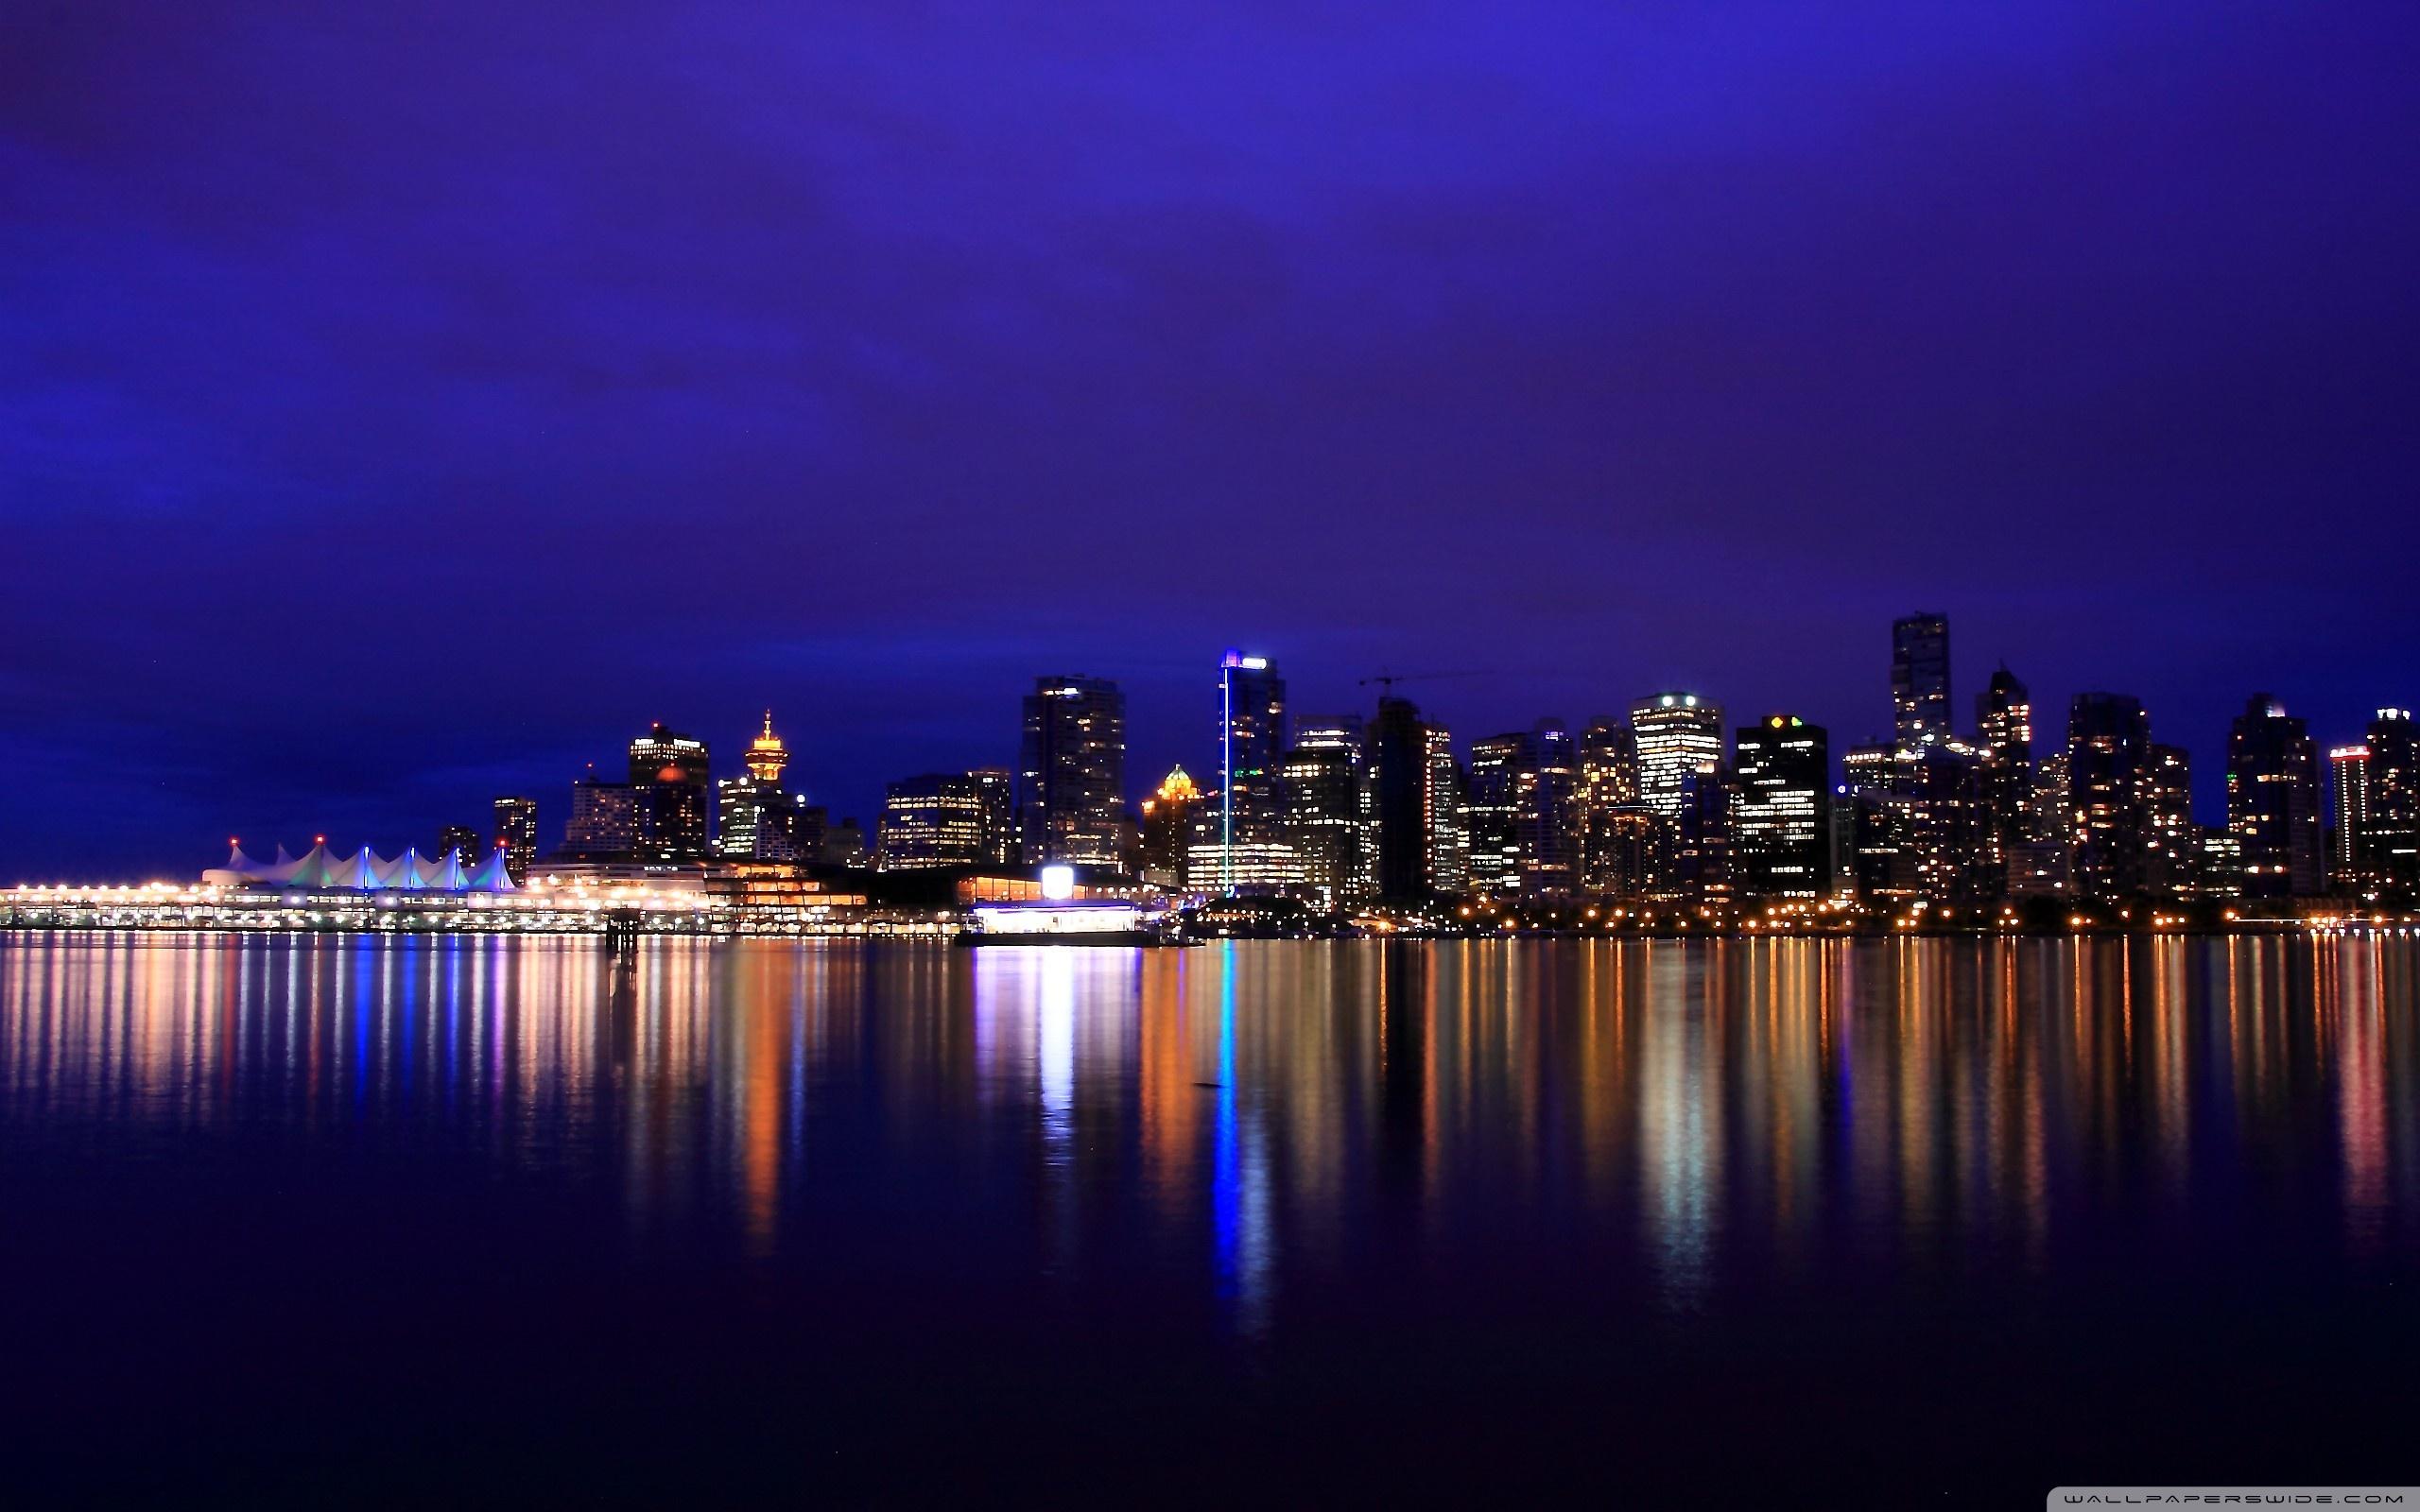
x,y
477,1221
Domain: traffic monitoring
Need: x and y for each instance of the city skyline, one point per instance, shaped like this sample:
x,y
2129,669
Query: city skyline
x,y
559,800
1673,806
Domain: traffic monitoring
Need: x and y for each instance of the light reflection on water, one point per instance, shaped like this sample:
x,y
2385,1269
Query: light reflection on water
x,y
1259,1114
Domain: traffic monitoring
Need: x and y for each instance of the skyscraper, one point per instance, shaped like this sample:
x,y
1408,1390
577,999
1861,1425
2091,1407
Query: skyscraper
x,y
1397,764
1520,809
517,831
930,821
1781,819
756,817
2393,828
1252,738
1944,830
1071,773
1445,792
2273,801
1495,858
1920,678
604,824
2348,781
2004,739
1167,830
1702,852
2175,861
2109,737
1328,810
1614,834
669,775
460,840
1676,733
997,786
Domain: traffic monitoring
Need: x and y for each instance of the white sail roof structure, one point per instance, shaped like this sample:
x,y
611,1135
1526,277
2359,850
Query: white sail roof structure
x,y
492,875
364,870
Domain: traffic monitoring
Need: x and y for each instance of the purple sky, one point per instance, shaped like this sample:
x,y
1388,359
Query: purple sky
x,y
401,404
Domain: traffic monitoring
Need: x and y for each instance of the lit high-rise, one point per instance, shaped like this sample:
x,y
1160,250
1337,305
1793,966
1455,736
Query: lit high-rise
x,y
2109,737
1328,809
756,817
1071,772
930,821
604,823
2004,743
1676,734
997,786
2273,801
1519,811
2393,828
669,775
2348,784
1780,817
1920,678
517,831
1252,739
1615,836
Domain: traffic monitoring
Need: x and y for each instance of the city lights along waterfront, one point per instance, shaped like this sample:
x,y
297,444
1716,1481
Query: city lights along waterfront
x,y
1674,820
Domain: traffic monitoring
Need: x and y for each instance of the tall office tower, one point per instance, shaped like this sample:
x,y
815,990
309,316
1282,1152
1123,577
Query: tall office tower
x,y
604,824
1071,777
2273,801
1168,819
517,831
1677,733
1702,849
1396,759
1252,739
460,840
1495,855
1781,811
1328,810
930,821
1946,831
2393,828
1519,811
2348,785
1613,834
2174,863
2004,738
2004,714
998,788
669,774
2048,817
1881,858
2041,863
1445,792
1920,678
2109,737
1881,853
756,819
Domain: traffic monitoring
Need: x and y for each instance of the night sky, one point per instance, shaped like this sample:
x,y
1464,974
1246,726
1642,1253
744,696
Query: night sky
x,y
404,403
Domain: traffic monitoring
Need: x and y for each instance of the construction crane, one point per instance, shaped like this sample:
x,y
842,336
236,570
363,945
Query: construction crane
x,y
1387,680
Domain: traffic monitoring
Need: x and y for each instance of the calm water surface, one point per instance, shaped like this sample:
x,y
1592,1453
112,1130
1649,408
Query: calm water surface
x,y
493,1219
